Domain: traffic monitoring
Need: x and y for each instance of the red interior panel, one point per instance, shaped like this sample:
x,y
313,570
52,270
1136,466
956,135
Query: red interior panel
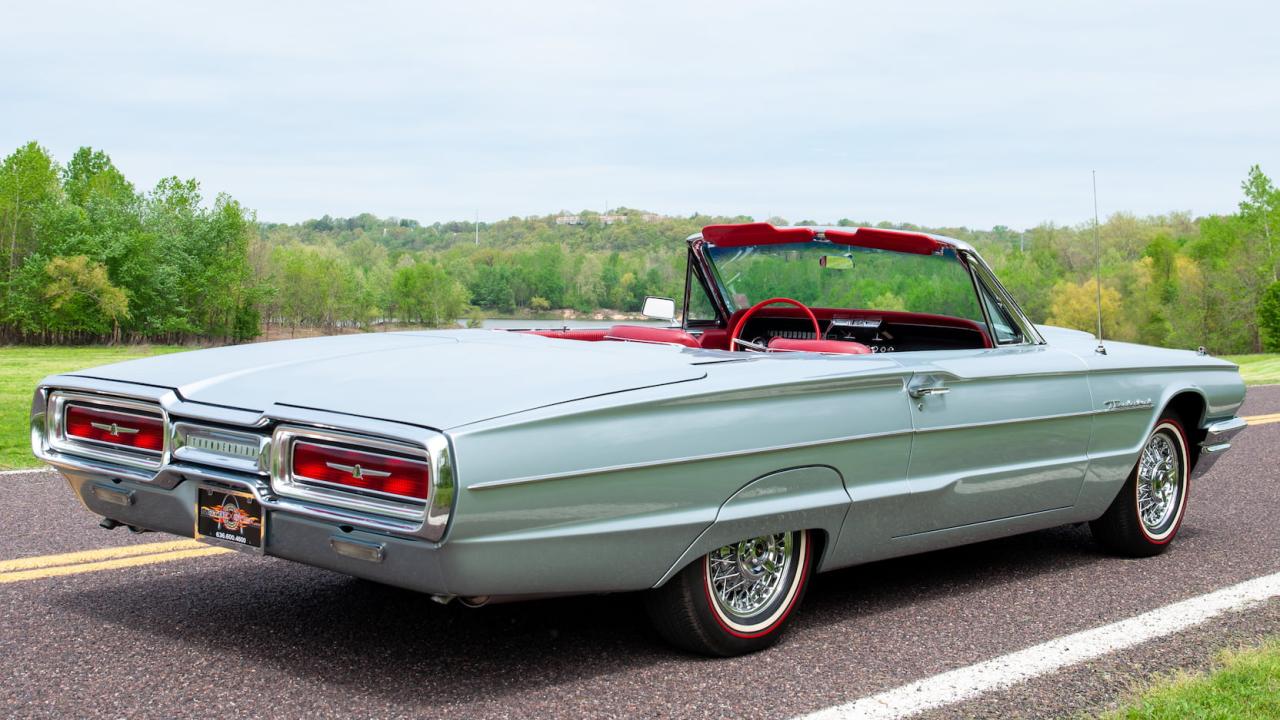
x,y
588,334
643,333
819,346
755,234
895,240
766,234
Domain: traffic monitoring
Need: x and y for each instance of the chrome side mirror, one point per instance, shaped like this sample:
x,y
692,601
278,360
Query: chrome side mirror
x,y
659,308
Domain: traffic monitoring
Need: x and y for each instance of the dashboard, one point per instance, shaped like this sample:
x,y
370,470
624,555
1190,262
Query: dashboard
x,y
881,334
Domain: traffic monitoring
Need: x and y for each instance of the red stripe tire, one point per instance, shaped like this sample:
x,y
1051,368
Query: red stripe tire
x,y
736,599
1147,513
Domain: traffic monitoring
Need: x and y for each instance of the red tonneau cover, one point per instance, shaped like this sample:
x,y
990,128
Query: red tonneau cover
x,y
766,234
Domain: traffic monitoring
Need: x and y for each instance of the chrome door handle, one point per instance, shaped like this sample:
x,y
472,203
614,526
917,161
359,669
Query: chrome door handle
x,y
920,392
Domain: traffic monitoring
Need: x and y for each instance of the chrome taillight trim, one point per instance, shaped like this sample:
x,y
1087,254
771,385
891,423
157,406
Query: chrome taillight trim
x,y
434,513
176,465
56,436
360,491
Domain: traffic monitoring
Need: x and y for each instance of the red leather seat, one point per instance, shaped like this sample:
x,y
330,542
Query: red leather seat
x,y
647,334
818,346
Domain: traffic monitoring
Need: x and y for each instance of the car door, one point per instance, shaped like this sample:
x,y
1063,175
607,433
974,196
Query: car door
x,y
998,433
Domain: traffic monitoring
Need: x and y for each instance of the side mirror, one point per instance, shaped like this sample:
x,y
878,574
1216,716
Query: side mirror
x,y
659,308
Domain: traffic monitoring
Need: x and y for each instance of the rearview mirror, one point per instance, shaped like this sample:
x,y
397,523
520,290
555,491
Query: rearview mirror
x,y
659,308
836,262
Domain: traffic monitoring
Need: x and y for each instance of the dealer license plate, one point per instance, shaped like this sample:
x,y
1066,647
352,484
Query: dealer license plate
x,y
230,517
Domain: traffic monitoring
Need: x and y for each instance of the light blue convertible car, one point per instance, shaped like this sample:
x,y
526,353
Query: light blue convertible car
x,y
826,397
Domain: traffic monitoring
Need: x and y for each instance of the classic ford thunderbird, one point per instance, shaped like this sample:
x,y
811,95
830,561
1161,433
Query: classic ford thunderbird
x,y
824,397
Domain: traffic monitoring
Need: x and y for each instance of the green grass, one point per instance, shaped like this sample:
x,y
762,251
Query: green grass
x,y
22,367
1245,686
1262,369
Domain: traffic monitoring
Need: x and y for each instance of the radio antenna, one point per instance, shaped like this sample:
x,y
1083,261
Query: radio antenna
x,y
1097,256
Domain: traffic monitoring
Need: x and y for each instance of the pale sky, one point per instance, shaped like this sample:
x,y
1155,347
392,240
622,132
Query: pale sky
x,y
939,113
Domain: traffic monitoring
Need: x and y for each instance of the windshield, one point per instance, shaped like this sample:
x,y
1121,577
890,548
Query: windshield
x,y
829,275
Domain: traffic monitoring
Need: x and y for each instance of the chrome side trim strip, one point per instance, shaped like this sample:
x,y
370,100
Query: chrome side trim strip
x,y
507,482
1014,421
980,523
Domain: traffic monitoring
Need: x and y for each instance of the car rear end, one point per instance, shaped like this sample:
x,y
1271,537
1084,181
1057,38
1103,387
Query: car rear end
x,y
365,497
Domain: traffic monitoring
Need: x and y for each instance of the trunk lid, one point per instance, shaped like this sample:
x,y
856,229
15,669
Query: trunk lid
x,y
440,379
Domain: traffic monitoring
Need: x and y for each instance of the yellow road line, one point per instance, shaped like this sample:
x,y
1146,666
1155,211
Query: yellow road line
x,y
84,556
1251,419
116,564
1263,420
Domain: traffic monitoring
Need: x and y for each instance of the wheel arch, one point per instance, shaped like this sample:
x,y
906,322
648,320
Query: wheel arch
x,y
810,497
1190,406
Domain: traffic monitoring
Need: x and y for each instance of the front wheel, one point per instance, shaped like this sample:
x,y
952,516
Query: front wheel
x,y
1145,517
737,598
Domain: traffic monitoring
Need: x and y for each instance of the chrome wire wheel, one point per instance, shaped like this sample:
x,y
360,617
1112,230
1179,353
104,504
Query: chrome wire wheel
x,y
1146,514
747,577
1159,483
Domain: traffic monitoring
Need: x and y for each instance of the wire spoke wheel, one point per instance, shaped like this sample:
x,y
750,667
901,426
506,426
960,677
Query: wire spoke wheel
x,y
737,598
1147,512
1159,482
747,576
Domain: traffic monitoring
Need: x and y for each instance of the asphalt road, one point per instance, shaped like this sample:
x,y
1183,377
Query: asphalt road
x,y
247,637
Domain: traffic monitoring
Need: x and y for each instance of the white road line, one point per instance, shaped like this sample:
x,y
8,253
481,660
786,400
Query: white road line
x,y
969,682
25,472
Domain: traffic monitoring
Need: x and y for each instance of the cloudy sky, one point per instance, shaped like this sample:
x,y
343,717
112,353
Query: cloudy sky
x,y
939,113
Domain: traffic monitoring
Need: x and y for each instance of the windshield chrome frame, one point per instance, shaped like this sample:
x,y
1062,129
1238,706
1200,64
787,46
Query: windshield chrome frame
x,y
981,272
966,253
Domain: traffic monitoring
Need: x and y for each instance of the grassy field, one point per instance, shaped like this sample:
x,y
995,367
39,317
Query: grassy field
x,y
22,367
1246,686
1261,369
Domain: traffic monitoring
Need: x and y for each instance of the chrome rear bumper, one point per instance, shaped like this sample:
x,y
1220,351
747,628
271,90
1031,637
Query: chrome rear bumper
x,y
1217,440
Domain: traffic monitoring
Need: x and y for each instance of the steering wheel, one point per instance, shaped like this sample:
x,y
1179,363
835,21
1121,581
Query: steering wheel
x,y
734,341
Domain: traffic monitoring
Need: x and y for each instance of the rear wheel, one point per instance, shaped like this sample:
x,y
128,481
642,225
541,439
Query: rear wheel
x,y
736,599
1145,517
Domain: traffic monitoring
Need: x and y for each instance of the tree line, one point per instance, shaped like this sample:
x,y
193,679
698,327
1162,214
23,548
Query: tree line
x,y
87,257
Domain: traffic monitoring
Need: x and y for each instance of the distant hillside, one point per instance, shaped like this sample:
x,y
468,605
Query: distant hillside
x,y
621,229
92,258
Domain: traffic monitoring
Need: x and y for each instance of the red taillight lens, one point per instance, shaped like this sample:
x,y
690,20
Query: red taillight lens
x,y
125,429
362,470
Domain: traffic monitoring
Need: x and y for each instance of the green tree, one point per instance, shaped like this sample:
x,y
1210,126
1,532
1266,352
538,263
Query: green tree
x,y
1269,318
425,294
1260,209
28,181
82,296
1075,305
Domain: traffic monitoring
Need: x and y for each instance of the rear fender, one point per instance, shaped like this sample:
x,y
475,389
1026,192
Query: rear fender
x,y
804,498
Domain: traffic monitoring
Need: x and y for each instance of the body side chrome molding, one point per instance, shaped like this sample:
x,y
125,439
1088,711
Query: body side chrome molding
x,y
507,482
1014,421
